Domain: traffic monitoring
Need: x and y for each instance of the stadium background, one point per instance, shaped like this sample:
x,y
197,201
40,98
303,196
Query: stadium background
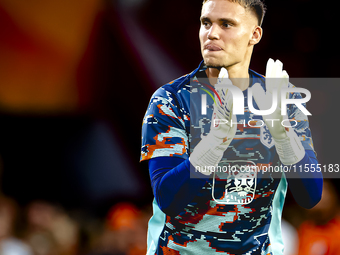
x,y
75,80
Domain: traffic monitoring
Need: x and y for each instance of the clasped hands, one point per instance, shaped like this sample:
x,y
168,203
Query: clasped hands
x,y
211,148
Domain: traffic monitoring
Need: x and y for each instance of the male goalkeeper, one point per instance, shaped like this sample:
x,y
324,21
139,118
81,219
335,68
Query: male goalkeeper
x,y
196,209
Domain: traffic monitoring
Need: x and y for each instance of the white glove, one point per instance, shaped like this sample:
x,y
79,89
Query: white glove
x,y
287,143
209,151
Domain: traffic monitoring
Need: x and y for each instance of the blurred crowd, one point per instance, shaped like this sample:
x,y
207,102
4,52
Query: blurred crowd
x,y
315,231
44,228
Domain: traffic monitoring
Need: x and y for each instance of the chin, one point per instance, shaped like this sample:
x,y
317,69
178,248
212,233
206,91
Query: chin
x,y
214,66
213,63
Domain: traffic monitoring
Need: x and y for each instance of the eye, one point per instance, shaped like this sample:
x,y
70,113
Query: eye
x,y
206,24
226,25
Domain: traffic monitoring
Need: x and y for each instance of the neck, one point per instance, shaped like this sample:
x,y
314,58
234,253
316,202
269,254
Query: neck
x,y
238,73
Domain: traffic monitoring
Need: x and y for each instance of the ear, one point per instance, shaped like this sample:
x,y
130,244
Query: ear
x,y
256,35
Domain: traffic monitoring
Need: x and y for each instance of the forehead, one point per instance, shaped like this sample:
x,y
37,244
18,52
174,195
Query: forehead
x,y
217,9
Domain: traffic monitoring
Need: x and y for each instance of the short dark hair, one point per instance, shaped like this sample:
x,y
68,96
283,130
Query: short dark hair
x,y
257,6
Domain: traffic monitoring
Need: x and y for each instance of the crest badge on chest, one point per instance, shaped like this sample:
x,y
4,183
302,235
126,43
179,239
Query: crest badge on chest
x,y
239,183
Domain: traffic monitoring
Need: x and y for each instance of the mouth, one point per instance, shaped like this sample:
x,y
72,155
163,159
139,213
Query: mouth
x,y
212,47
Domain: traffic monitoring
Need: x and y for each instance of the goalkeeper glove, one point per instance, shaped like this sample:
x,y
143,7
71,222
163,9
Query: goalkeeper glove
x,y
287,143
209,151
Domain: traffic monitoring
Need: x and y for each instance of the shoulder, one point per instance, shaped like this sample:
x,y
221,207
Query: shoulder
x,y
254,74
171,100
257,78
178,89
172,88
173,96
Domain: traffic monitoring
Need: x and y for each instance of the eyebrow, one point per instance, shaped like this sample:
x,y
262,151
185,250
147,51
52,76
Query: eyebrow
x,y
222,20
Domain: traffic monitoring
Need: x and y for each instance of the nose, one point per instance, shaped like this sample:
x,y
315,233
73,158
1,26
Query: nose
x,y
214,32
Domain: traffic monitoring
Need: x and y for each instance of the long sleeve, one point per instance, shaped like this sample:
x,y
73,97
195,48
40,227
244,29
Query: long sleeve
x,y
174,183
305,185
